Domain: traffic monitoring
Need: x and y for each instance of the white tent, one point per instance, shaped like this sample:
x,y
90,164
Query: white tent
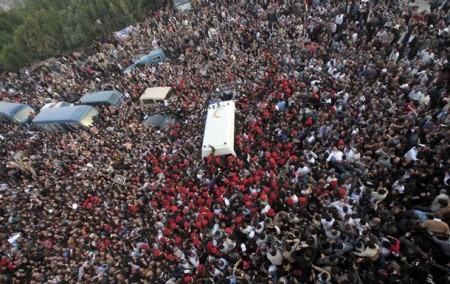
x,y
219,129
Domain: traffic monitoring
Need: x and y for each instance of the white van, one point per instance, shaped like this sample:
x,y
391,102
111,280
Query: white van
x,y
157,95
70,118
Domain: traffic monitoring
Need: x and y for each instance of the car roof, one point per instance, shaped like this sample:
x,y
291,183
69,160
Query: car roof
x,y
62,114
112,97
155,93
10,108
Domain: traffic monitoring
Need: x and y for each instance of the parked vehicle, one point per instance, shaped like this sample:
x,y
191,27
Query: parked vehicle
x,y
113,97
154,57
182,5
157,94
16,112
159,120
56,105
220,129
71,118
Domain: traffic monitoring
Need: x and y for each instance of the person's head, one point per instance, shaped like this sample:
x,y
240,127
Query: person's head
x,y
308,253
437,215
273,252
443,202
386,244
371,244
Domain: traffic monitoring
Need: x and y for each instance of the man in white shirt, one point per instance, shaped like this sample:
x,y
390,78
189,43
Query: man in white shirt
x,y
310,157
394,55
381,35
336,160
415,94
339,19
222,264
425,99
302,170
335,155
413,152
349,153
426,56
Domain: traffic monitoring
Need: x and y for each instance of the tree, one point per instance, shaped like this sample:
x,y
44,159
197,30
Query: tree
x,y
46,28
9,21
11,58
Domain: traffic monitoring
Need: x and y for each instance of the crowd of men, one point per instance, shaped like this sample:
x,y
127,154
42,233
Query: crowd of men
x,y
341,173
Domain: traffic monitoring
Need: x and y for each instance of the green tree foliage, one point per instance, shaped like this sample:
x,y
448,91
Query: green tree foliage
x,y
11,58
9,21
40,29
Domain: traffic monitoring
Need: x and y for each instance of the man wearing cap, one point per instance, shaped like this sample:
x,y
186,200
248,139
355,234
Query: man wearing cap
x,y
201,272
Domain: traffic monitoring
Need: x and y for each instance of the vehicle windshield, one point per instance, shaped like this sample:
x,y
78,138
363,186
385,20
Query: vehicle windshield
x,y
148,102
88,119
22,114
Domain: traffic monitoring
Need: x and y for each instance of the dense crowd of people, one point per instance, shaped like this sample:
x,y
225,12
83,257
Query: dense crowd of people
x,y
341,173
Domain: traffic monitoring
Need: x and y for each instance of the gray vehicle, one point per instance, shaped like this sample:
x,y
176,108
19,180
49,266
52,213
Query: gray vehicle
x,y
62,119
154,57
16,112
182,5
159,120
114,98
156,95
